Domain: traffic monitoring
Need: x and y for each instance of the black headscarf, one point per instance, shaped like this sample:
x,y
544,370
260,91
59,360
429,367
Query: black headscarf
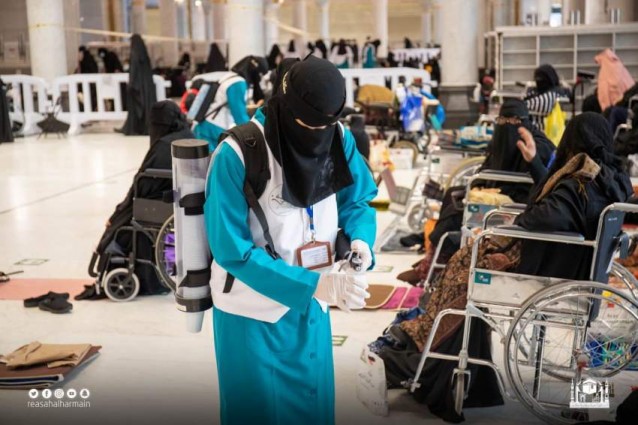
x,y
141,93
275,53
546,78
590,133
111,61
502,152
291,47
215,61
342,47
6,126
87,63
251,69
166,118
313,161
321,46
407,43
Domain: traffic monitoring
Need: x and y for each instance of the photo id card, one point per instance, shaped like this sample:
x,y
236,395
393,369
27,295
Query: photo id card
x,y
314,255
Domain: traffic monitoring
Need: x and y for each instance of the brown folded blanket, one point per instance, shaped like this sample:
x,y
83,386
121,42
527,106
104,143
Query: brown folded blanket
x,y
53,355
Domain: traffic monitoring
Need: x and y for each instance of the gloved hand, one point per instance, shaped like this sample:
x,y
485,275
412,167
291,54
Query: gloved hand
x,y
362,248
347,291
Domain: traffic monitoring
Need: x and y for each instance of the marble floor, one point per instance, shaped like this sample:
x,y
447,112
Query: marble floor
x,y
55,196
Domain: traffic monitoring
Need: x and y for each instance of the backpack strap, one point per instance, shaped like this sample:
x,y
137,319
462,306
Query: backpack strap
x,y
252,144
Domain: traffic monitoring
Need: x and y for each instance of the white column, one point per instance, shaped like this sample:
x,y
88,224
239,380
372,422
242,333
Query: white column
x,y
459,55
380,13
198,20
481,28
595,12
271,13
243,15
72,39
426,22
168,28
324,20
138,16
437,20
47,45
208,20
219,20
300,21
501,13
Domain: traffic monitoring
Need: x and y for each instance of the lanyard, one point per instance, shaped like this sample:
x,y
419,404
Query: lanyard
x,y
310,212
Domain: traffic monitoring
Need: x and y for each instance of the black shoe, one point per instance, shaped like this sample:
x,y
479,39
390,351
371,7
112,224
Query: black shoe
x,y
35,301
90,293
56,305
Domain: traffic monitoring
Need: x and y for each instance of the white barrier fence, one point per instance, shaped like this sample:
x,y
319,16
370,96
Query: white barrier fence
x,y
100,100
30,101
355,77
107,89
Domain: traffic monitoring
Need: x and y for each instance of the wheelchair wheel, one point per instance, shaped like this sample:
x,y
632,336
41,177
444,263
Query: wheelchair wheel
x,y
467,168
571,332
417,217
625,277
165,254
121,285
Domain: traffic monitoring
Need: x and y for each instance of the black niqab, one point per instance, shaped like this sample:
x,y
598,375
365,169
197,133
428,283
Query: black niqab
x,y
251,69
165,118
321,46
274,54
342,47
546,78
6,127
88,65
111,61
313,160
216,60
141,93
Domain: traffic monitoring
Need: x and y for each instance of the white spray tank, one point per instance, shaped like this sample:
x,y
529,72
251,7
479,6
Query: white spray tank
x,y
192,253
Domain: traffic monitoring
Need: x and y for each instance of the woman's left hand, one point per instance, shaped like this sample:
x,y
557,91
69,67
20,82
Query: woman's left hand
x,y
526,144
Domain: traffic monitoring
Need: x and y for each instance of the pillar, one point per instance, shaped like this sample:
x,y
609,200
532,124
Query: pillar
x,y
426,22
72,39
208,20
243,15
380,16
219,20
481,29
300,21
438,30
271,12
324,20
459,55
168,28
138,16
501,13
595,12
198,20
47,44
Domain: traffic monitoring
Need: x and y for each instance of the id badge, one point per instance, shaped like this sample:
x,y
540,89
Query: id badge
x,y
314,255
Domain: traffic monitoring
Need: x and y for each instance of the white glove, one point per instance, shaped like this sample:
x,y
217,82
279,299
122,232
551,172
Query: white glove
x,y
362,248
347,291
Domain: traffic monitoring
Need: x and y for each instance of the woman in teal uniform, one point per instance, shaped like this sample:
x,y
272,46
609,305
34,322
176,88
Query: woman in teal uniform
x,y
272,332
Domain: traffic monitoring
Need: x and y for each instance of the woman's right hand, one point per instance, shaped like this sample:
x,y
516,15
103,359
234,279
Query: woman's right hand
x,y
526,144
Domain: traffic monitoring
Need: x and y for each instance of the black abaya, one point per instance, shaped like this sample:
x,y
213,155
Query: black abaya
x,y
6,126
140,91
216,60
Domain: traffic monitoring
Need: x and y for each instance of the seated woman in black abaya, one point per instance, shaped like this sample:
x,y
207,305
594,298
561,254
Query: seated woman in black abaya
x,y
585,178
167,124
502,155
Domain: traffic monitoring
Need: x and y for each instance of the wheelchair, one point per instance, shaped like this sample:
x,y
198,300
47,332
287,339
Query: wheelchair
x,y
115,270
559,346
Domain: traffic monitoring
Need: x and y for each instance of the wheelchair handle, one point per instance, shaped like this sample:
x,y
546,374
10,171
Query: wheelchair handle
x,y
621,206
92,271
502,177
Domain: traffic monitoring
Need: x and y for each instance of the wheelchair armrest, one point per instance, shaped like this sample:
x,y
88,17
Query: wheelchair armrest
x,y
623,206
156,173
502,176
519,232
515,207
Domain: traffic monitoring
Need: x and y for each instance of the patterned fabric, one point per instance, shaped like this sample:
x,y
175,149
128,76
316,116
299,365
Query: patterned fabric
x,y
581,167
500,254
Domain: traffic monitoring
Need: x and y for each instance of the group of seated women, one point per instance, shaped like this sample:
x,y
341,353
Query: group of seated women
x,y
572,186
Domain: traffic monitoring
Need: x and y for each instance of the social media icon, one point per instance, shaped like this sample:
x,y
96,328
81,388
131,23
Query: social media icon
x,y
46,393
33,393
71,393
84,393
59,393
